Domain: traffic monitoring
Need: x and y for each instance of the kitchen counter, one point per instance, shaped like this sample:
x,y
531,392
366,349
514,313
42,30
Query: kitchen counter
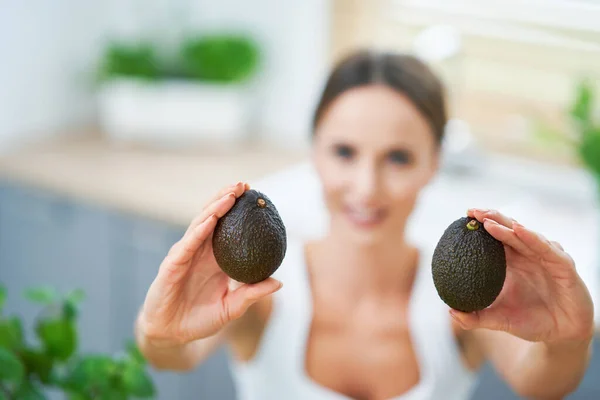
x,y
170,185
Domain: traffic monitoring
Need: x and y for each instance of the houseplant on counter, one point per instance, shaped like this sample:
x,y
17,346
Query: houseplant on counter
x,y
588,125
583,135
202,92
29,371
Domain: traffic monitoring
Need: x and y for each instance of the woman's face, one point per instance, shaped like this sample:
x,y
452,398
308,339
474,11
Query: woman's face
x,y
374,152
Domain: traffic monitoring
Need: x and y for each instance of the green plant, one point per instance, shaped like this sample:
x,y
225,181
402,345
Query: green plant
x,y
585,128
137,60
221,58
26,369
214,57
583,116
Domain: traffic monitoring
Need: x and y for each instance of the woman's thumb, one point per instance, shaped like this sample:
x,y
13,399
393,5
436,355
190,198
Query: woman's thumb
x,y
239,300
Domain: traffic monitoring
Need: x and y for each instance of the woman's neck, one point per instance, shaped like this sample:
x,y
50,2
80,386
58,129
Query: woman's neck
x,y
366,269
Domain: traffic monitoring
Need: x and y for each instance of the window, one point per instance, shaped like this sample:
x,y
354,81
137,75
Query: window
x,y
573,23
577,15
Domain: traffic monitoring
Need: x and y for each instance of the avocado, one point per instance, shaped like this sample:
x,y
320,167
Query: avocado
x,y
468,266
250,241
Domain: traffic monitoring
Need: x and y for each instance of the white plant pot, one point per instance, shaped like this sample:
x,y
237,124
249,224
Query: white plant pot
x,y
173,113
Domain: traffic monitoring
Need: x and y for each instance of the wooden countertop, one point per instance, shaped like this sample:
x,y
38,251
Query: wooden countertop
x,y
170,185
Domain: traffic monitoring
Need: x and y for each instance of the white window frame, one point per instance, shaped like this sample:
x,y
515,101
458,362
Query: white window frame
x,y
545,22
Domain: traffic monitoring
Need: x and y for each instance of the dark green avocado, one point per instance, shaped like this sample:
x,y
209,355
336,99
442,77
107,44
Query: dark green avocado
x,y
250,241
468,266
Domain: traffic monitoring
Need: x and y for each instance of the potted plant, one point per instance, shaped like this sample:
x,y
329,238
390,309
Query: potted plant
x,y
587,124
583,133
30,371
202,92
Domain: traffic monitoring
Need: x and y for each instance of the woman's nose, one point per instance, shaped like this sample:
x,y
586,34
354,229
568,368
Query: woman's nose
x,y
366,182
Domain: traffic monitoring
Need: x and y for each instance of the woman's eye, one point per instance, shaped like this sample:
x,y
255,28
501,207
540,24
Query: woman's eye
x,y
402,157
344,151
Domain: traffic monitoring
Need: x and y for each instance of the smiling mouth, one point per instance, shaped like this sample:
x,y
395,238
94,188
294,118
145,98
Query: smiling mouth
x,y
365,217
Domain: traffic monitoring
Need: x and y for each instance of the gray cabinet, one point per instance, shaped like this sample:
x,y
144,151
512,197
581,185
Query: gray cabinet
x,y
47,240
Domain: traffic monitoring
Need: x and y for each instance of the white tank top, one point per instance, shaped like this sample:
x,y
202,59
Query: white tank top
x,y
277,372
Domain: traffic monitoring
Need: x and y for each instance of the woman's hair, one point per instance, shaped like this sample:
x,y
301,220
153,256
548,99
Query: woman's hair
x,y
401,72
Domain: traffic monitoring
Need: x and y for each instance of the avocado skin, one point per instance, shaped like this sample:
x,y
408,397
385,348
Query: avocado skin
x,y
468,267
249,241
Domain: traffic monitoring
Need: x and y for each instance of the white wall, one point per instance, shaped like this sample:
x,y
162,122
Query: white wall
x,y
48,50
43,47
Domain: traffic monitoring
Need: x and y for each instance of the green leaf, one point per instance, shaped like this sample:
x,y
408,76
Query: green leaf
x,y
70,310
28,391
112,394
2,296
72,303
582,107
76,396
11,333
59,337
137,60
134,352
11,367
590,150
39,363
137,381
43,295
221,58
76,296
92,372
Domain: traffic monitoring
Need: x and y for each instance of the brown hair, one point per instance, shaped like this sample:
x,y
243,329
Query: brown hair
x,y
401,72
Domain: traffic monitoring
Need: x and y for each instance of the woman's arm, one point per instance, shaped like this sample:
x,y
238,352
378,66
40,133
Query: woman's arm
x,y
536,369
538,332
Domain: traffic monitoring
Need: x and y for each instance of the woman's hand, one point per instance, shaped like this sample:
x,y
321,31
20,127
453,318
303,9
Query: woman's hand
x,y
191,298
543,298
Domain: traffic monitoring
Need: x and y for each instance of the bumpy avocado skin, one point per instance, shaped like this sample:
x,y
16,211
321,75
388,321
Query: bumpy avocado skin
x,y
250,241
468,267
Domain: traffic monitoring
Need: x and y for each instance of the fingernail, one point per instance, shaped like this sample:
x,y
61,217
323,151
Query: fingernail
x,y
491,221
482,210
455,317
232,195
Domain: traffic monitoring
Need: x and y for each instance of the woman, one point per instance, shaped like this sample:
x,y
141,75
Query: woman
x,y
359,316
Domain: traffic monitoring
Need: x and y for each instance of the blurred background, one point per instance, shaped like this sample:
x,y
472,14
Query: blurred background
x,y
118,119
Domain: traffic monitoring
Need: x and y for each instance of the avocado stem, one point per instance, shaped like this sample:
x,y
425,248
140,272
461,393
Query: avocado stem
x,y
473,225
261,203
